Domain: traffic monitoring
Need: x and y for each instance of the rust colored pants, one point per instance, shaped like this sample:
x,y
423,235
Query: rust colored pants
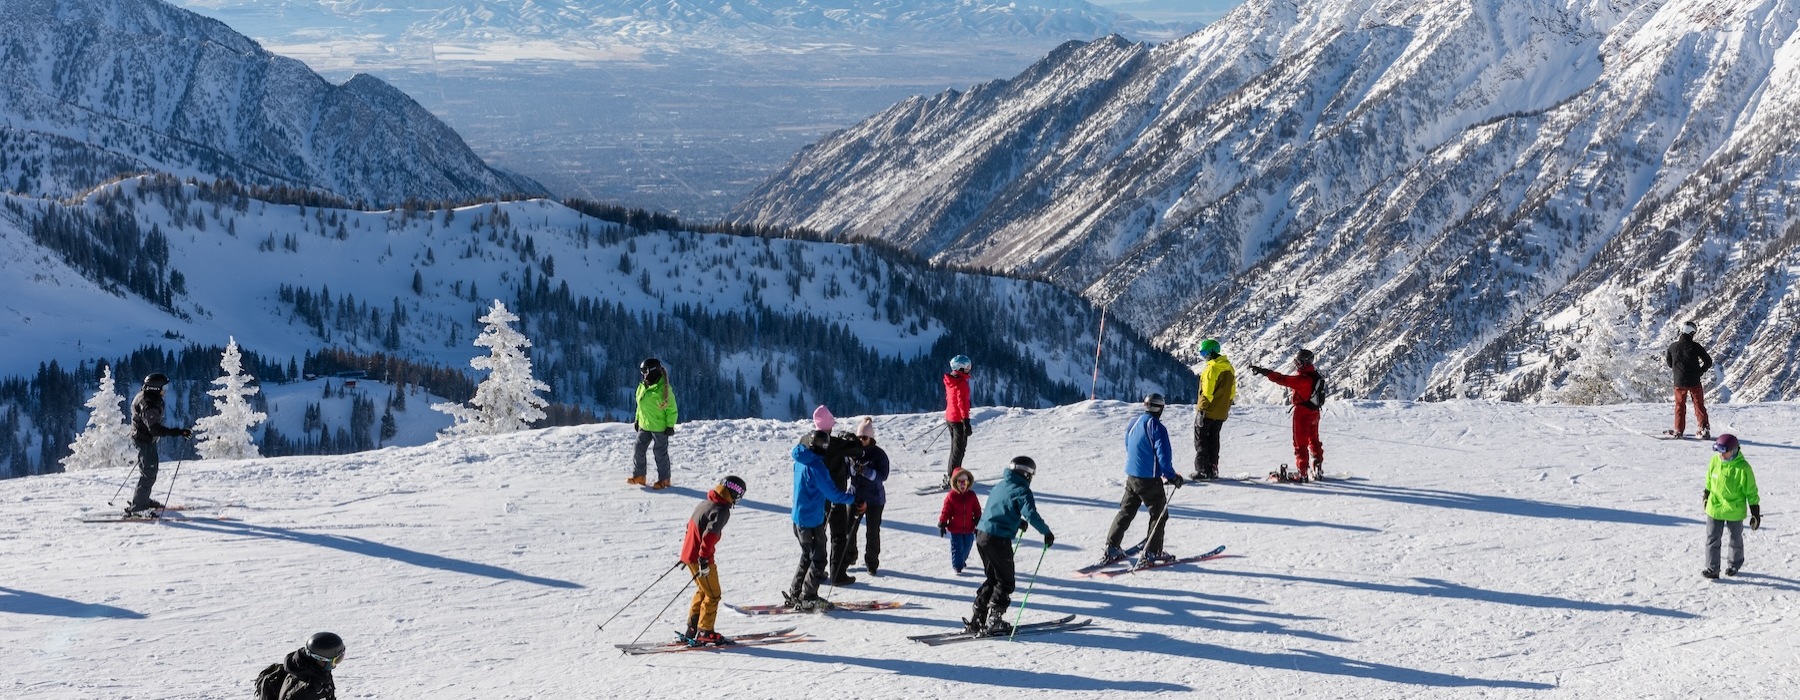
x,y
1308,450
1698,395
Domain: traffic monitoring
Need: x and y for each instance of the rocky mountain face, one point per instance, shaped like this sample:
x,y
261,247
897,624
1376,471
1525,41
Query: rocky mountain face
x,y
96,88
1444,198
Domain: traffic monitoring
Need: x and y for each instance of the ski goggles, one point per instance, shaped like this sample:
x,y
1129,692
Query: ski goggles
x,y
1722,448
329,661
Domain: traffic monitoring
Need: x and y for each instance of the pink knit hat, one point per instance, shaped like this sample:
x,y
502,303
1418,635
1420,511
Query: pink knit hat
x,y
866,429
822,419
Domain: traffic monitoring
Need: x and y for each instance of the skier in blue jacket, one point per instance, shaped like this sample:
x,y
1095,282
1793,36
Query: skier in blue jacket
x,y
1010,507
1149,461
812,489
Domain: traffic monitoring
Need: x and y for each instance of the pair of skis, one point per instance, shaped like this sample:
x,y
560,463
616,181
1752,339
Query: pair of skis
x,y
683,643
1061,624
153,515
848,606
1108,568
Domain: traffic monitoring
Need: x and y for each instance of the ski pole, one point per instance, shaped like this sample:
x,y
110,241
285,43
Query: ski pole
x,y
665,608
170,494
836,553
122,483
635,598
936,433
1156,527
1028,587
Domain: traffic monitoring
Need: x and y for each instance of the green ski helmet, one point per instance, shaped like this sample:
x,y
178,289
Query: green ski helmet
x,y
1209,347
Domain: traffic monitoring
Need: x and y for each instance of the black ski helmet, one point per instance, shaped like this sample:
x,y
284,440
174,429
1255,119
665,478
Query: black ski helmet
x,y
1304,356
156,381
735,486
1154,403
325,645
1025,466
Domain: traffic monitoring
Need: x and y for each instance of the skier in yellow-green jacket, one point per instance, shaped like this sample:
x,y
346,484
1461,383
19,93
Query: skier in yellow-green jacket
x,y
1730,491
655,422
1218,388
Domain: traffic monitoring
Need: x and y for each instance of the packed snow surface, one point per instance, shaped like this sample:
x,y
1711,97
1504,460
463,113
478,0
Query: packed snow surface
x,y
1481,550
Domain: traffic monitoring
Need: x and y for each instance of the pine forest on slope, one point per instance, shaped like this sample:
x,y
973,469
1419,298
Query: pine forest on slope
x,y
1436,196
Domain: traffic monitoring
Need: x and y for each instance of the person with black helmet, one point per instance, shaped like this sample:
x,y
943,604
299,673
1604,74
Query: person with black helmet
x,y
146,427
1689,361
655,422
704,529
1306,391
1010,508
305,674
1149,462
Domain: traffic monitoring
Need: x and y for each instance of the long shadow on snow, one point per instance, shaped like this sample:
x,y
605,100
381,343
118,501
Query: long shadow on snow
x,y
13,600
1135,605
963,673
358,545
1500,504
1438,588
1293,660
1748,579
1177,511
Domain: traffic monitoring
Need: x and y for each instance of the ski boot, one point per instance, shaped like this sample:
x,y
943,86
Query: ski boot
x,y
1710,573
1113,554
1706,434
710,638
997,627
1154,558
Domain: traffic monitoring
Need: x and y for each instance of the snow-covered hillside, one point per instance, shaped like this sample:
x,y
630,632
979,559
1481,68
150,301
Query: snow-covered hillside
x,y
97,88
1438,194
1482,550
749,325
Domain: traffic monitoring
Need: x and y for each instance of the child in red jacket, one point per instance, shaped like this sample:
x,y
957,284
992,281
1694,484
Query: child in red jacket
x,y
961,512
704,529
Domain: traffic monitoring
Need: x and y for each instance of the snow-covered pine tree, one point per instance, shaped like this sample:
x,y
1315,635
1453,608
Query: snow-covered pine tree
x,y
106,442
507,401
1609,368
226,434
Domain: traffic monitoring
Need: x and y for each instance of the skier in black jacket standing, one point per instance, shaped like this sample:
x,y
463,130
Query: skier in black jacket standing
x,y
309,669
146,427
1690,363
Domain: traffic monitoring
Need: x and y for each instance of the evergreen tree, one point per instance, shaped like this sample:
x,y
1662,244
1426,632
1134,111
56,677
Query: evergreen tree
x,y
106,442
226,434
507,401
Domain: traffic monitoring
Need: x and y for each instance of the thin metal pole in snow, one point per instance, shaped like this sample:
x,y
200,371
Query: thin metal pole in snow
x,y
1028,587
1099,342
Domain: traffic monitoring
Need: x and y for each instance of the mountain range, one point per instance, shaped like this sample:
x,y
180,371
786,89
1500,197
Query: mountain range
x,y
1437,196
99,88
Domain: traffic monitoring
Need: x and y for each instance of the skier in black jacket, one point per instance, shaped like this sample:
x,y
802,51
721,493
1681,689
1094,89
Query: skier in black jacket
x,y
146,427
841,454
309,669
1690,363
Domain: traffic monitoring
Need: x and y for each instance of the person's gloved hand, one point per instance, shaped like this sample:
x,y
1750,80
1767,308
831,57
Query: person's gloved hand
x,y
968,427
705,568
943,528
634,424
1049,539
669,430
1176,480
860,508
1756,517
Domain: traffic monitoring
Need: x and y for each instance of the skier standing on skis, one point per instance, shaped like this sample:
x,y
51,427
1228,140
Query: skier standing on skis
x,y
1010,508
1149,462
1218,387
698,546
959,516
956,412
146,427
812,489
870,473
1730,490
1304,385
842,450
655,422
1689,361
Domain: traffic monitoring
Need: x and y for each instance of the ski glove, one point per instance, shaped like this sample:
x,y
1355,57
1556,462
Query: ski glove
x,y
669,431
1049,539
943,529
705,568
1259,370
1177,480
968,427
861,508
1756,517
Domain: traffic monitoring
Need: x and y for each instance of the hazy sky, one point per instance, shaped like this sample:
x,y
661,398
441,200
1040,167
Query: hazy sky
x,y
1172,10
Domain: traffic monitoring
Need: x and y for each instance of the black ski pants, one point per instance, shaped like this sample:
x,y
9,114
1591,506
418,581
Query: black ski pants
x,y
1206,448
812,562
837,518
871,520
1141,492
995,594
148,464
959,443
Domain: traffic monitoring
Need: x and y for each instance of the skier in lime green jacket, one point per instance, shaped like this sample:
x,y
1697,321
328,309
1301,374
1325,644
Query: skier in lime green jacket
x,y
1730,490
655,422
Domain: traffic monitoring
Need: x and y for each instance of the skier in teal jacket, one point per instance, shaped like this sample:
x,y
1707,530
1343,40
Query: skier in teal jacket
x,y
1010,507
1730,492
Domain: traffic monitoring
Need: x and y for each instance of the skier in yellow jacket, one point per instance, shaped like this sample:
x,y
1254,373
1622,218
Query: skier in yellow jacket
x,y
1218,387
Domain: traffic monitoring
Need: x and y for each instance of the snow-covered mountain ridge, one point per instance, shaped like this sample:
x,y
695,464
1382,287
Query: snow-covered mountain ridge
x,y
1466,563
1437,196
748,325
97,88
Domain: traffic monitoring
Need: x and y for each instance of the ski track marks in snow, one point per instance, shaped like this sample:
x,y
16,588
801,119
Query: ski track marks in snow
x,y
1477,554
